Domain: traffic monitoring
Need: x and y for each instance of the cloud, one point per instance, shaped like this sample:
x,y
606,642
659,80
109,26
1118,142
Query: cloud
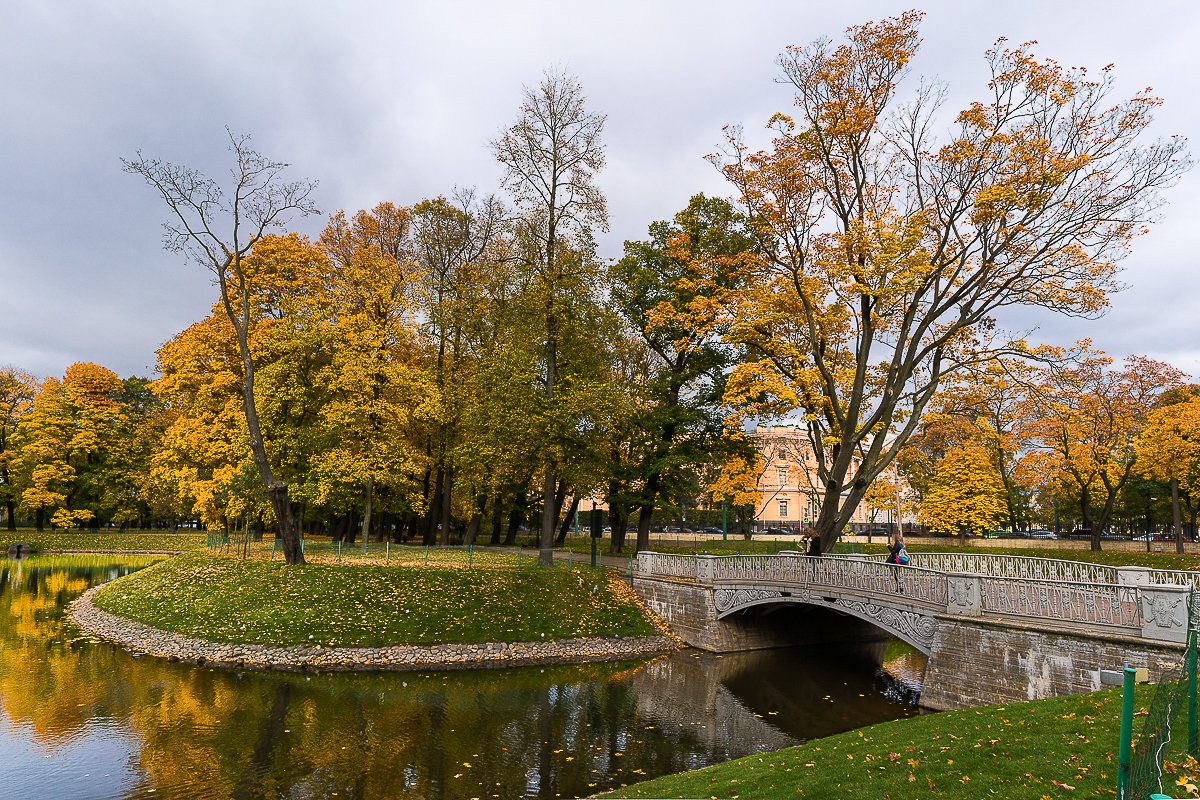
x,y
384,101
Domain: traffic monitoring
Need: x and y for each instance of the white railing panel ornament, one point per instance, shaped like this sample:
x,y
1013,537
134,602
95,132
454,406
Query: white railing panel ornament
x,y
671,565
1175,577
1023,567
1087,604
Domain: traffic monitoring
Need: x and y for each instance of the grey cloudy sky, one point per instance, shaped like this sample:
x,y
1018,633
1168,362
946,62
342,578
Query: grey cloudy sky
x,y
397,101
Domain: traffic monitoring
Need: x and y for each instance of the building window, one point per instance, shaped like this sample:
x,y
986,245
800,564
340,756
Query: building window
x,y
783,509
781,475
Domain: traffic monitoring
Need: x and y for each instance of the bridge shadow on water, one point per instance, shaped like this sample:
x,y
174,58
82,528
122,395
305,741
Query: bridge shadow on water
x,y
785,695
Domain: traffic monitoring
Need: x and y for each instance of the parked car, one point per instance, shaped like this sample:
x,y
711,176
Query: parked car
x,y
1165,536
712,531
1043,534
885,532
775,532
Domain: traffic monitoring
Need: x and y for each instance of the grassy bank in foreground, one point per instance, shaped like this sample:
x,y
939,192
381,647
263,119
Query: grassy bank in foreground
x,y
368,605
1057,748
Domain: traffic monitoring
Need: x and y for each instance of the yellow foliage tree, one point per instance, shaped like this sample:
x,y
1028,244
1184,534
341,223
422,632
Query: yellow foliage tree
x,y
1086,420
884,253
1169,451
965,492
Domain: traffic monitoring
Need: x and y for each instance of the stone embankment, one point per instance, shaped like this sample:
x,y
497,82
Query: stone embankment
x,y
177,647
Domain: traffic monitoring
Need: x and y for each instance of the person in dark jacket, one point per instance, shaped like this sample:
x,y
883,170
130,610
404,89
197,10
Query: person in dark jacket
x,y
894,559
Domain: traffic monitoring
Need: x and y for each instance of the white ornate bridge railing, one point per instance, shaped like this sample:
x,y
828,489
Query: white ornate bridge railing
x,y
1133,601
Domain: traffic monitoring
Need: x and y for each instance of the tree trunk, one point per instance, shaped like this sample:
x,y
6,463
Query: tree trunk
x,y
11,507
516,517
618,522
650,492
497,521
1085,511
476,521
616,540
549,520
278,494
1176,523
435,506
40,519
566,523
447,489
367,507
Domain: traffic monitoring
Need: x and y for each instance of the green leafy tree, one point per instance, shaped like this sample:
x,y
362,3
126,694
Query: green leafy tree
x,y
665,288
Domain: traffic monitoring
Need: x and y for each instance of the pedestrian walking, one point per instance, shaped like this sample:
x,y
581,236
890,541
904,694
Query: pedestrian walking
x,y
897,557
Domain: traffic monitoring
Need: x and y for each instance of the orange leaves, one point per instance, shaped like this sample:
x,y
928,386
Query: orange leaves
x,y
1169,447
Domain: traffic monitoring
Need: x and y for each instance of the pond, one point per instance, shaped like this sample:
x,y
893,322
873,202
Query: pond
x,y
80,718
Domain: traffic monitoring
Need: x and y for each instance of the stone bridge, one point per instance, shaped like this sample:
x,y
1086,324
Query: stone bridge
x,y
993,628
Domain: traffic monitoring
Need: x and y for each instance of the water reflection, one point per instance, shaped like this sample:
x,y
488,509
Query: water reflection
x,y
84,719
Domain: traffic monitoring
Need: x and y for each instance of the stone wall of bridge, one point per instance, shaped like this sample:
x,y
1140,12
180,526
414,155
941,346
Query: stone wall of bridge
x,y
690,610
973,661
976,663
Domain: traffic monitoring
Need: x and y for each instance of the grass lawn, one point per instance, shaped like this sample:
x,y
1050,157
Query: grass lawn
x,y
365,605
1057,748
104,540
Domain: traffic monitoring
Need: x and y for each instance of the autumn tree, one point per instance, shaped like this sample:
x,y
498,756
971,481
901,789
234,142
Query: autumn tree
x,y
17,389
1086,419
984,408
200,467
218,228
455,249
1169,451
370,375
664,287
551,156
205,461
964,493
68,445
884,254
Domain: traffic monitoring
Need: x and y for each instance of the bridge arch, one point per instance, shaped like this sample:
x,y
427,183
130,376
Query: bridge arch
x,y
909,624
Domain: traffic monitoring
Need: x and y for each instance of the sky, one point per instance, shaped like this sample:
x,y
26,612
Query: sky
x,y
397,101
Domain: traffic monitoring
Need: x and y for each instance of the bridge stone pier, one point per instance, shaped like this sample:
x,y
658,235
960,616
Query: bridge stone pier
x,y
994,629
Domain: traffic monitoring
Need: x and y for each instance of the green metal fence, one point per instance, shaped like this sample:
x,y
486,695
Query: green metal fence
x,y
1169,735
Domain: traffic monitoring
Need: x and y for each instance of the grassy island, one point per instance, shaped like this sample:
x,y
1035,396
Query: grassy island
x,y
225,599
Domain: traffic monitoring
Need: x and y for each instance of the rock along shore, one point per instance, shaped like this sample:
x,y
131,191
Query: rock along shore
x,y
142,638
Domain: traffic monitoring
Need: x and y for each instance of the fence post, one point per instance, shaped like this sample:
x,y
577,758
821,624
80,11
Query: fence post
x,y
1193,733
1126,735
387,551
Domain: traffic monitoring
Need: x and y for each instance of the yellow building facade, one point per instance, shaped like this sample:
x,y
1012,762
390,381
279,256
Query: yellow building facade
x,y
788,489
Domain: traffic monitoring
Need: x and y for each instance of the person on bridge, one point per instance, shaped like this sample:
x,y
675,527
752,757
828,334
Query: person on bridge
x,y
897,555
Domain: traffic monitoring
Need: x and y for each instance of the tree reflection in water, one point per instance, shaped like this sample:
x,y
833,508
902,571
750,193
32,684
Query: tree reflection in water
x,y
94,721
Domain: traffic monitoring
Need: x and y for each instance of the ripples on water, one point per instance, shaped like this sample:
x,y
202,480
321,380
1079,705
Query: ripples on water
x,y
85,719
